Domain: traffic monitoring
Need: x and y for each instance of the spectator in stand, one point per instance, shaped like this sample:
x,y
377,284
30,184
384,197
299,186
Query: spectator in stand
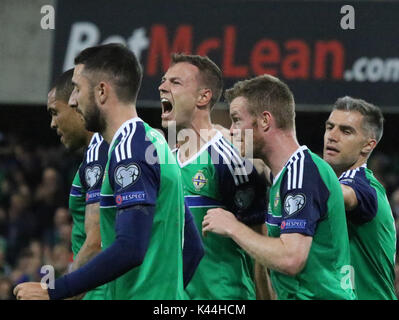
x,y
61,224
27,268
62,258
21,226
49,195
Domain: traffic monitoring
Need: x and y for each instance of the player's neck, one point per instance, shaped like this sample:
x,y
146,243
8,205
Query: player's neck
x,y
194,136
278,150
116,118
340,170
197,131
89,135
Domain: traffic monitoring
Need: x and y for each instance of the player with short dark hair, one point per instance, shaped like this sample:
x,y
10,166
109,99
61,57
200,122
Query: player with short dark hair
x,y
306,251
209,75
115,65
84,198
214,175
353,130
142,205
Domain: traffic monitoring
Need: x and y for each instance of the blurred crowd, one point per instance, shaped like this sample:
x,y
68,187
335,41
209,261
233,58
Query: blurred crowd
x,y
35,225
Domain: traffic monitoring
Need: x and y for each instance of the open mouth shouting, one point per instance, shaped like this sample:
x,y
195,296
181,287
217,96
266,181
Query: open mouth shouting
x,y
167,109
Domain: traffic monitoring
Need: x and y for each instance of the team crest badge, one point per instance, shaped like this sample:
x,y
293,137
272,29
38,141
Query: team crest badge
x,y
92,175
244,197
293,204
199,180
127,175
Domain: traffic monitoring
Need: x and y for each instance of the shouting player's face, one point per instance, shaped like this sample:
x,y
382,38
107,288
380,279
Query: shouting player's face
x,y
67,121
244,128
179,92
345,141
83,99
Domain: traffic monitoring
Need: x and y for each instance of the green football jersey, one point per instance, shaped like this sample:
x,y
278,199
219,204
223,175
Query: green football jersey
x,y
141,170
372,236
306,198
217,176
85,190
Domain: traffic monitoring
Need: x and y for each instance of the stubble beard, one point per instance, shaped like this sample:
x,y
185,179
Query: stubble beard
x,y
94,120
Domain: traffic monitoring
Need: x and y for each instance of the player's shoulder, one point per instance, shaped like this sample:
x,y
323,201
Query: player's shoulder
x,y
100,142
129,136
96,139
362,176
136,143
298,165
357,174
228,160
223,149
306,169
96,150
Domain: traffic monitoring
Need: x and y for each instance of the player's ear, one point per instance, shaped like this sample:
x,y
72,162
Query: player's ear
x,y
204,97
369,145
265,120
102,92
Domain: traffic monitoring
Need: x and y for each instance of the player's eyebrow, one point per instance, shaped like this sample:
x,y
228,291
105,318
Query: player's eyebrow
x,y
344,127
171,78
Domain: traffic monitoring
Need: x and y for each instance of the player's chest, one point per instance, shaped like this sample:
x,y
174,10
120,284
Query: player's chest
x,y
200,179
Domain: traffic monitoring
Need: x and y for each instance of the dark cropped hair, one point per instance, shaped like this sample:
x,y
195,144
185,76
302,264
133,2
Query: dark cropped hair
x,y
210,74
63,86
118,64
373,120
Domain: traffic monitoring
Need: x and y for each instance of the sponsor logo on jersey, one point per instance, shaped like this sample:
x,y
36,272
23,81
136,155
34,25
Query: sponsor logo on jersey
x,y
293,204
244,197
127,175
92,175
130,198
92,195
294,224
118,199
199,180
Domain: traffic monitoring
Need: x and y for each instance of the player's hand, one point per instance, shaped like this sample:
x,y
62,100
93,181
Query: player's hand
x,y
31,291
219,221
